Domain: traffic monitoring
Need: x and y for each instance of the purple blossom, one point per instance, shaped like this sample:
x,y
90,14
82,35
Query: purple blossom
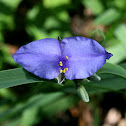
x,y
76,57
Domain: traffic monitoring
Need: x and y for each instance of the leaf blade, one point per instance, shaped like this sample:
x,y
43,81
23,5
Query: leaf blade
x,y
113,69
17,76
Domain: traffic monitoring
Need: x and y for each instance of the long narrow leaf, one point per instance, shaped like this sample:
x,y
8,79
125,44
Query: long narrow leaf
x,y
113,69
14,77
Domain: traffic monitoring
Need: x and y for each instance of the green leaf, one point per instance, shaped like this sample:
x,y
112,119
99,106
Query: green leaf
x,y
93,4
108,17
51,22
36,32
120,32
29,116
61,104
36,101
55,3
14,122
108,81
42,104
120,4
11,3
113,69
118,47
107,84
118,51
18,76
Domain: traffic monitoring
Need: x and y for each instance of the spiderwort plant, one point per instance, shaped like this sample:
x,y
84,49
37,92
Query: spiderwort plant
x,y
75,57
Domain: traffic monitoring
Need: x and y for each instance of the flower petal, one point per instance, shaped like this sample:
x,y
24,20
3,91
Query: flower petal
x,y
85,56
40,57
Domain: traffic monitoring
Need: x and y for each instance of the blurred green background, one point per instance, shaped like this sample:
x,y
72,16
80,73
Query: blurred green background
x,y
22,21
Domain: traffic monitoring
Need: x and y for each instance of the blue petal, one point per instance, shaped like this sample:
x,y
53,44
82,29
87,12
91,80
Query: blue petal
x,y
40,57
85,56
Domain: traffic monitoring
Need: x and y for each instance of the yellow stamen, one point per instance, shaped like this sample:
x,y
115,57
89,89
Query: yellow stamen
x,y
61,71
66,69
61,64
67,57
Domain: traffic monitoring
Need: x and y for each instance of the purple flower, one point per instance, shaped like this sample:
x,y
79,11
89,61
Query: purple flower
x,y
76,57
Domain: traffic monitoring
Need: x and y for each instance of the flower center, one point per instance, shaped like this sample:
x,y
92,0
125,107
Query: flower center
x,y
61,64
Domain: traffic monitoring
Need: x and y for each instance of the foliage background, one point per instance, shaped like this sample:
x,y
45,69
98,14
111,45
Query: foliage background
x,y
47,103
